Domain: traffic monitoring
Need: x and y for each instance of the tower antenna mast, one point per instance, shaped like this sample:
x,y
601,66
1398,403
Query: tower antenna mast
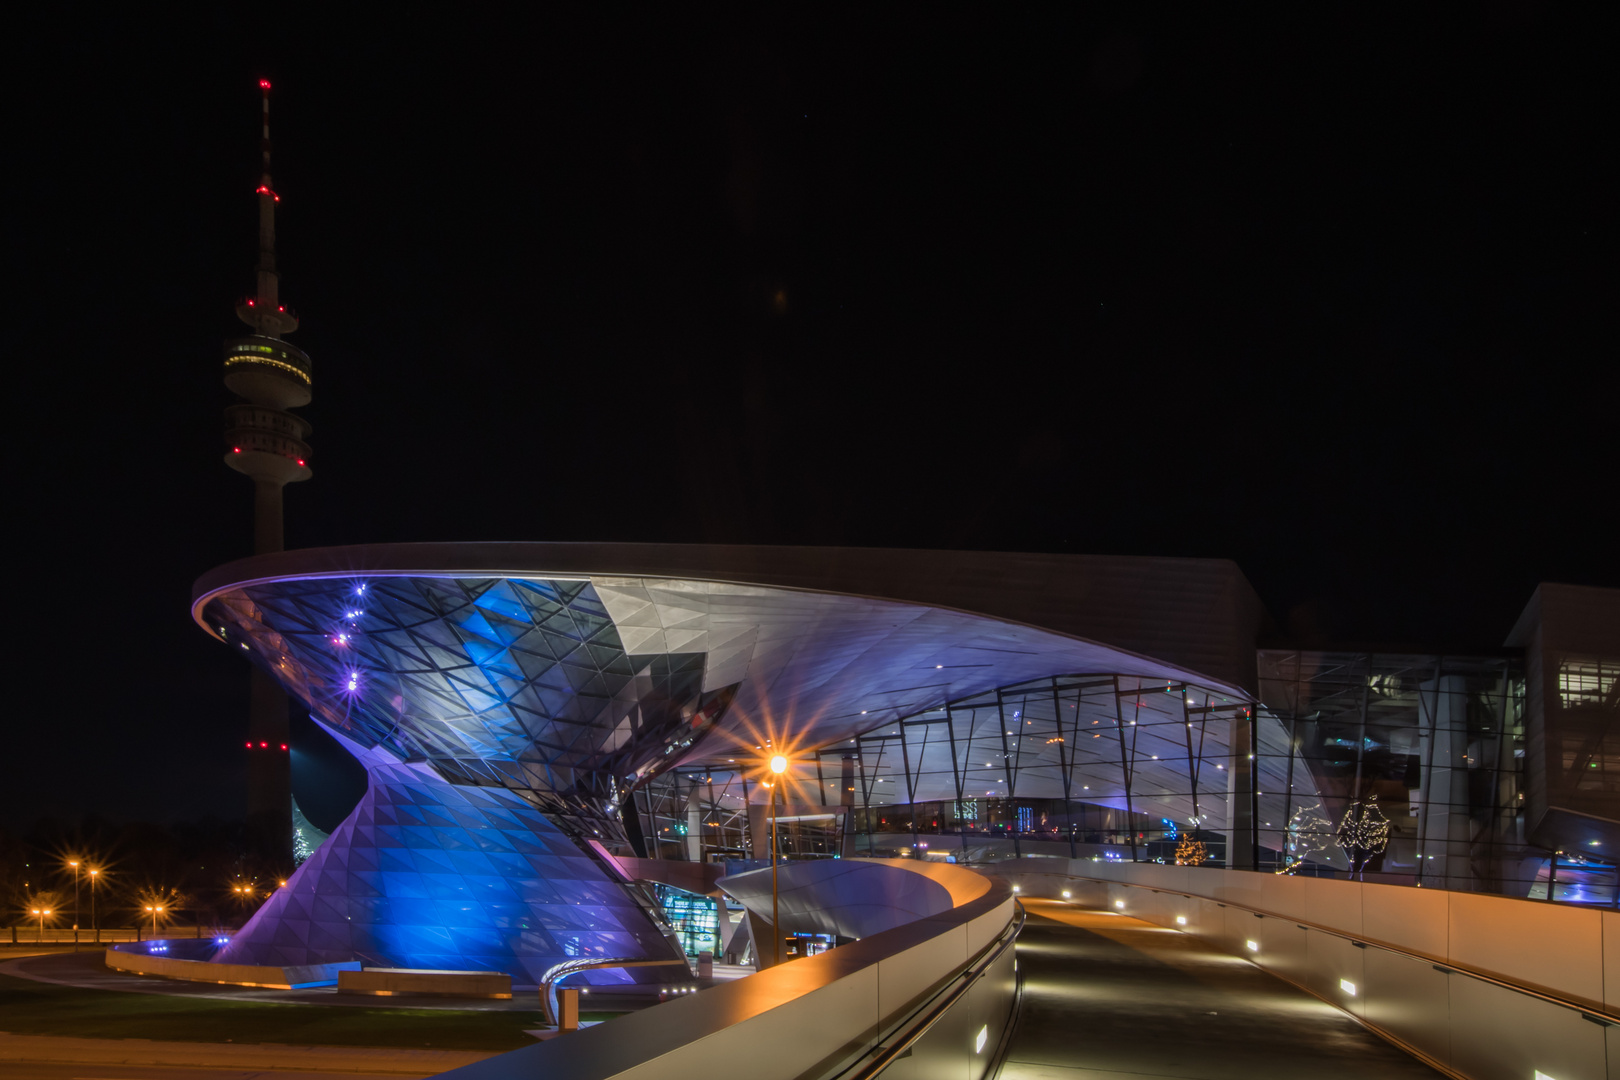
x,y
266,443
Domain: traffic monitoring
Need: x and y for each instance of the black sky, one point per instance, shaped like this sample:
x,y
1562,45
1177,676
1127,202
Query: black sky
x,y
1330,295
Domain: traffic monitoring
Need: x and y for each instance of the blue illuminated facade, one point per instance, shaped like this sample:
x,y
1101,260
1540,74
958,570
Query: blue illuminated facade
x,y
427,874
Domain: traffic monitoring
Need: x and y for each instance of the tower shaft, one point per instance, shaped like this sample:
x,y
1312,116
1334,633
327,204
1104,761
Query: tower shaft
x,y
266,443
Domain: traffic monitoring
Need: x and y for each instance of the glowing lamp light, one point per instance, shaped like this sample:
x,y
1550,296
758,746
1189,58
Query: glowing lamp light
x,y
981,1039
264,746
284,746
1348,987
264,84
250,746
1065,894
1119,904
1015,888
236,449
1252,946
300,461
1181,920
779,764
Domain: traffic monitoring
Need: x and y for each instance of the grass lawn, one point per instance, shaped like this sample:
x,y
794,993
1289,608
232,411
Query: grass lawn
x,y
34,1008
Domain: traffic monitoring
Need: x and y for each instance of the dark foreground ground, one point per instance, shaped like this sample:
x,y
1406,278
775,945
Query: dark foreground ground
x,y
200,1013
1107,997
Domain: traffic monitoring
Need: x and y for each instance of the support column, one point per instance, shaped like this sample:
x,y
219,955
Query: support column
x,y
694,824
846,799
1242,768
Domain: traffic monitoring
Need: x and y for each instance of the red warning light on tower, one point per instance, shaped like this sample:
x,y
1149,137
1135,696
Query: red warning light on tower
x,y
264,84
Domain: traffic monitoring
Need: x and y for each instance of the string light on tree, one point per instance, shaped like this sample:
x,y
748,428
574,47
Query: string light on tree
x,y
1191,851
1308,833
1363,834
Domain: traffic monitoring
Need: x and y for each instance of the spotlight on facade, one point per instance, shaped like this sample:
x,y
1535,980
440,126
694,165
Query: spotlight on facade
x,y
1253,946
1348,987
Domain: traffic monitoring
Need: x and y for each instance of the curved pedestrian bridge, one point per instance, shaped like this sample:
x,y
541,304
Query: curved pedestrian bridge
x,y
1109,997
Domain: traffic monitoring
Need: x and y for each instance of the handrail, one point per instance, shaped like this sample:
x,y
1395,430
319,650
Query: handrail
x,y
1598,1014
1002,1044
937,1005
556,973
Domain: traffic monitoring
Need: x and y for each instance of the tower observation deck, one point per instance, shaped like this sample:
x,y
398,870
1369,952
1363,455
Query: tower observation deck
x,y
267,444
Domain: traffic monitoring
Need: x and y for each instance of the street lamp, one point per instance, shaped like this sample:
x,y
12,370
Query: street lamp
x,y
75,864
95,928
779,766
41,912
156,910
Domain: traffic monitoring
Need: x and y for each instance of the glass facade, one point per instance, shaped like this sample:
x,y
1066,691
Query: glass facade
x,y
1096,764
1402,769
1439,742
695,919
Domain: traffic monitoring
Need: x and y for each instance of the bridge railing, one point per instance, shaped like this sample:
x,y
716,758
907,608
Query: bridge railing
x,y
942,985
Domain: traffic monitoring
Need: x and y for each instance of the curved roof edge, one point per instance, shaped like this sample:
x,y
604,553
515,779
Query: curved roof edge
x,y
1198,614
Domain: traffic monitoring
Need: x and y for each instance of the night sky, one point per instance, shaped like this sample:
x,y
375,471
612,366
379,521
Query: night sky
x,y
1334,299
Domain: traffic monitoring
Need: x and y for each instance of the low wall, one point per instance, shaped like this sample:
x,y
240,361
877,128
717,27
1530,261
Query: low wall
x,y
814,1017
143,962
386,982
1483,987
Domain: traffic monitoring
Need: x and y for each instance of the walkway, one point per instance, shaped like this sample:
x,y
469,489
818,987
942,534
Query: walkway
x,y
1107,997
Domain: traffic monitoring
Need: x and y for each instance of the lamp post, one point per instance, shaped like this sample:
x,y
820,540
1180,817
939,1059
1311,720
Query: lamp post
x,y
156,910
779,766
75,864
95,927
41,912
